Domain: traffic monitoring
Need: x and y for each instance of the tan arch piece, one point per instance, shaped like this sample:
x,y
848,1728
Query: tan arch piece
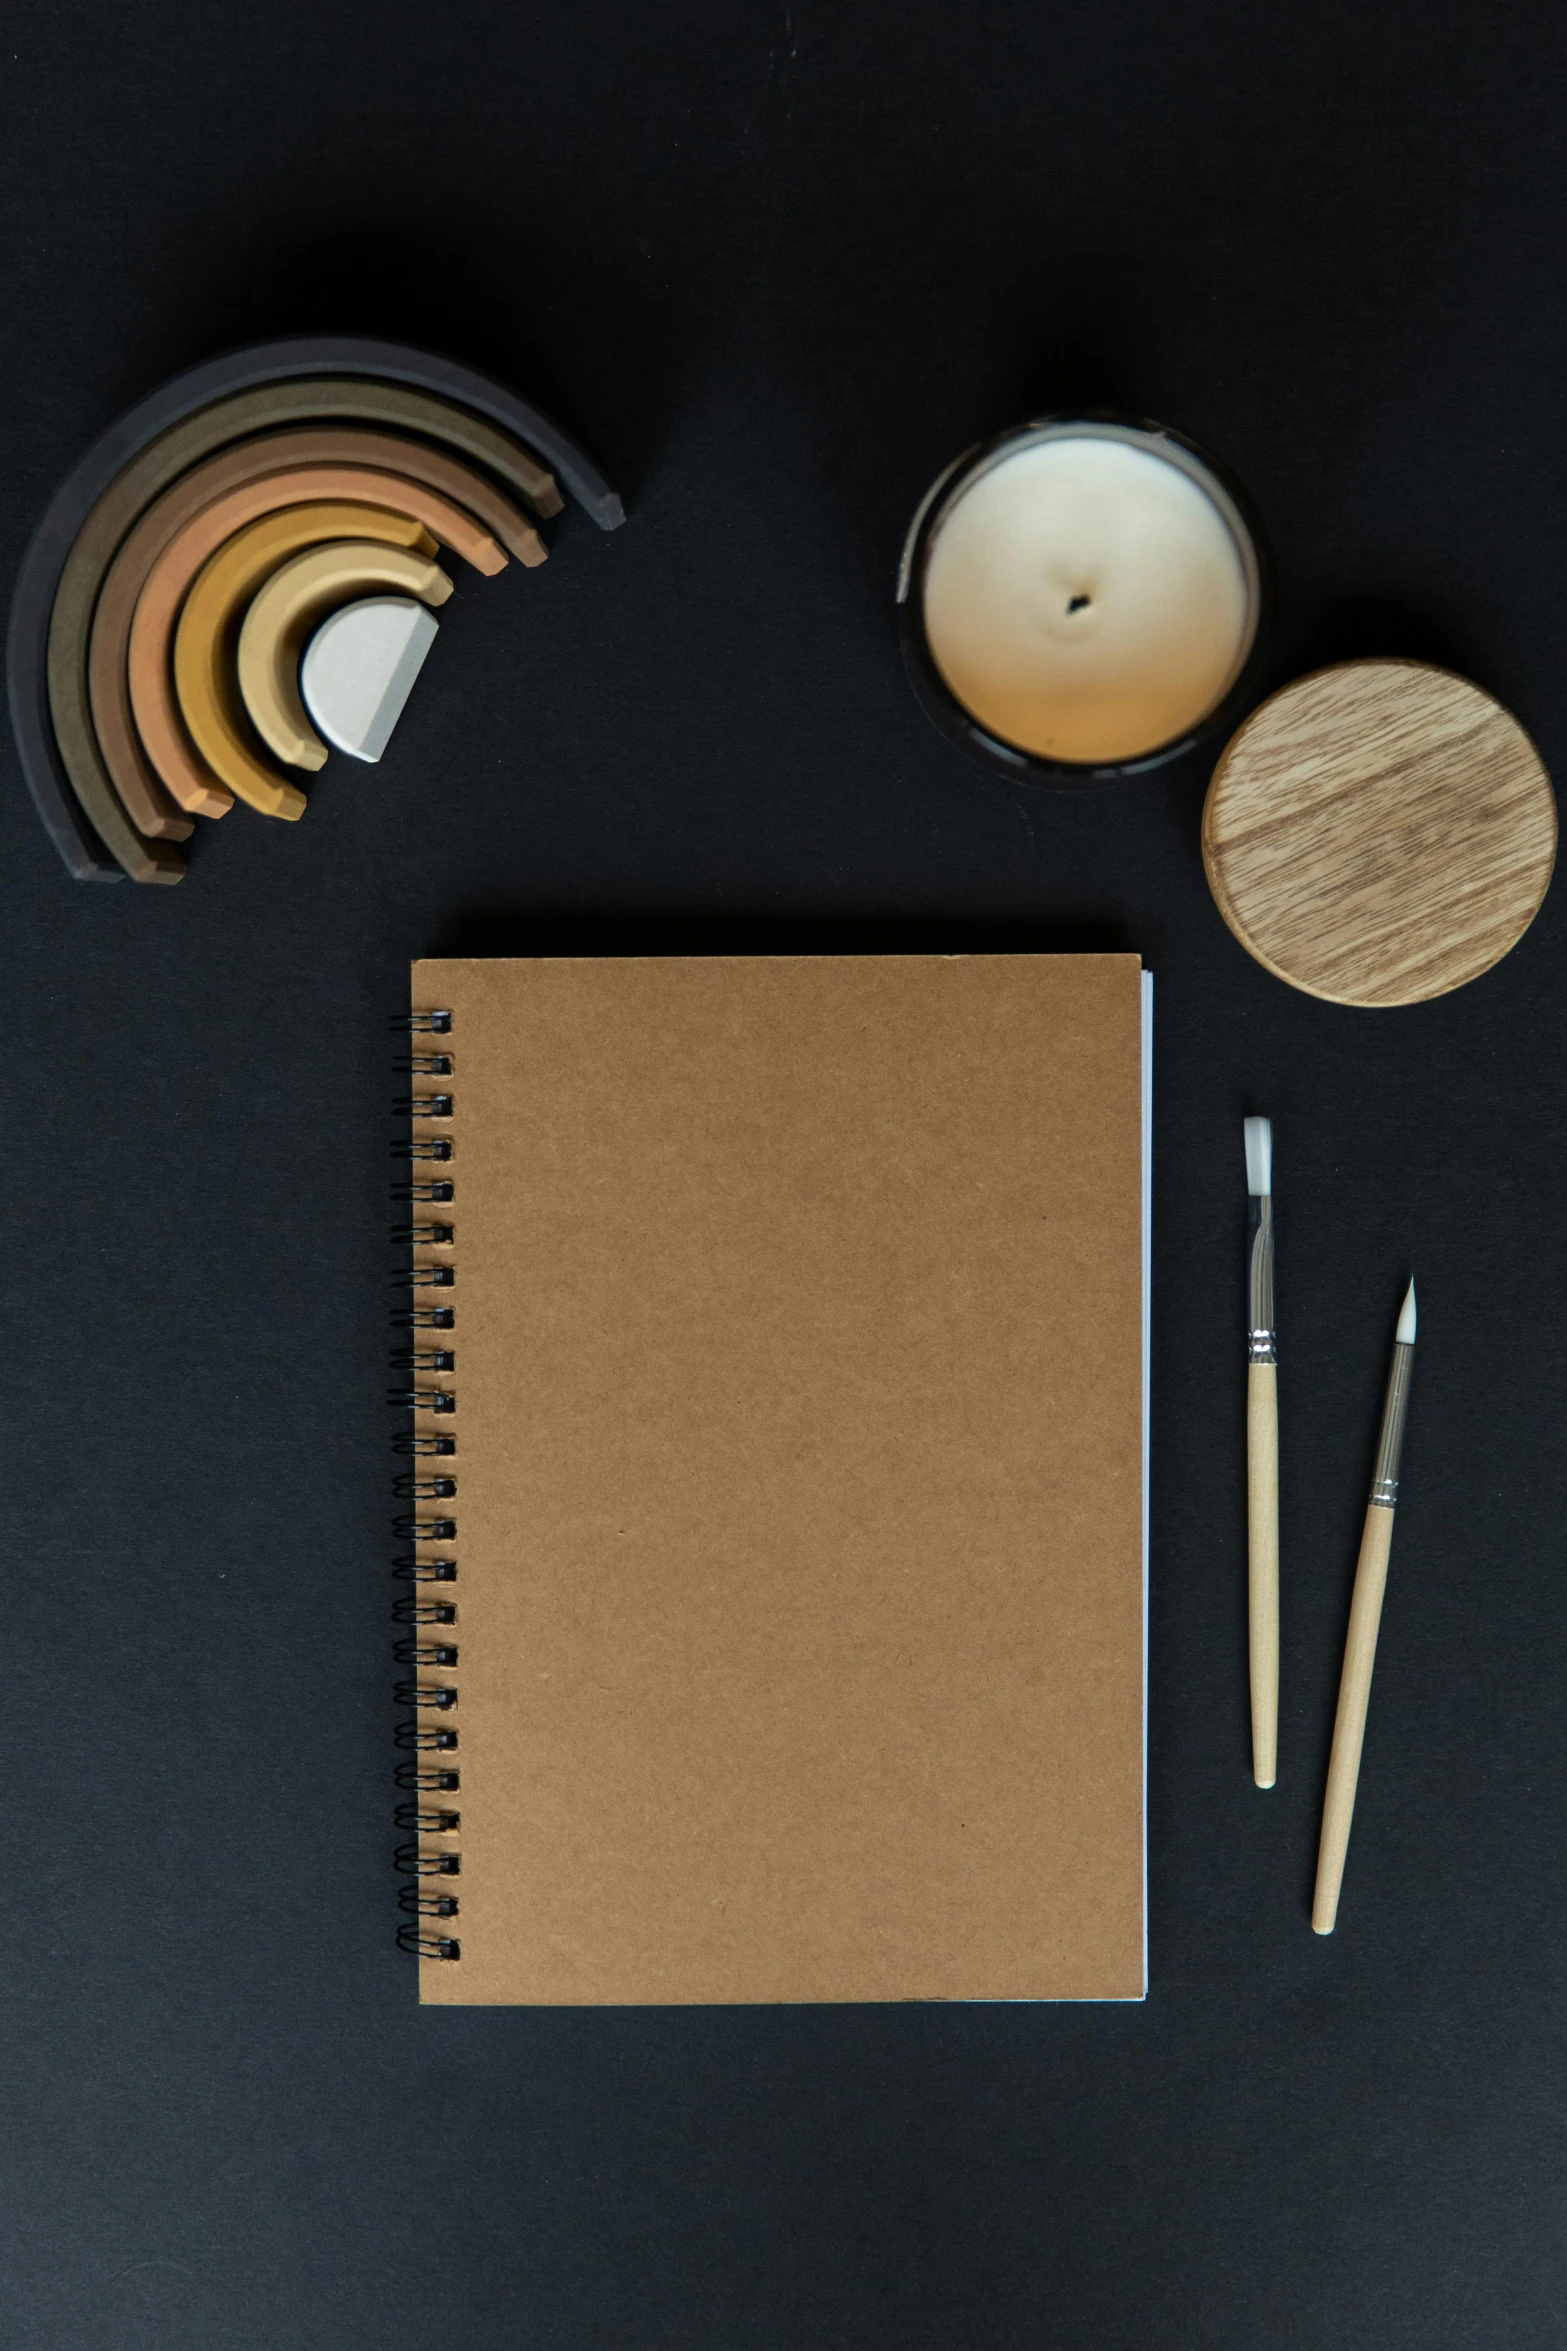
x,y
283,613
130,671
204,683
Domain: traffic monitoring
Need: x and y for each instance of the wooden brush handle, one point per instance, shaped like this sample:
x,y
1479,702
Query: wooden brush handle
x,y
1262,1565
1349,1724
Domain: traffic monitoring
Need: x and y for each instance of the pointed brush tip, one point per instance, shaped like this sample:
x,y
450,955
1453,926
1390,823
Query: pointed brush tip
x,y
1406,1318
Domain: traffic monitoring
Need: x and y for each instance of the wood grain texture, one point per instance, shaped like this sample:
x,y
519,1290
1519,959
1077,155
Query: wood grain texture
x,y
1379,832
1262,1566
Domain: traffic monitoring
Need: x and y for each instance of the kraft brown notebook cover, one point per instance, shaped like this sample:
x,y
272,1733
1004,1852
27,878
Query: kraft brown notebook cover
x,y
799,1397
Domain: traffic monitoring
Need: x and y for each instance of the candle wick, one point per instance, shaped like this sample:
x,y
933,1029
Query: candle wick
x,y
1079,603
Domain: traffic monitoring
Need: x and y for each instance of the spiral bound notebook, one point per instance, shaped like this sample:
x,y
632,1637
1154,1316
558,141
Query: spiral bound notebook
x,y
772,1477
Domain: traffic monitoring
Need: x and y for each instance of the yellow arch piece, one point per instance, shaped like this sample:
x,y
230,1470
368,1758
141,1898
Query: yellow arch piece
x,y
298,595
204,643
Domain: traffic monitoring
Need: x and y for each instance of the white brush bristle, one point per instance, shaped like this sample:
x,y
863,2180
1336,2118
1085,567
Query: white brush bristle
x,y
1406,1319
1259,1155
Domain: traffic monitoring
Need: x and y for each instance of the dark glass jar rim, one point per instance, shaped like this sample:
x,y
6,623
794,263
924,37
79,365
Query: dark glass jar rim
x,y
951,717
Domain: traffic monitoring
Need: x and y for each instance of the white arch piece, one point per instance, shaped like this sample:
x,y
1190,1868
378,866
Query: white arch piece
x,y
359,667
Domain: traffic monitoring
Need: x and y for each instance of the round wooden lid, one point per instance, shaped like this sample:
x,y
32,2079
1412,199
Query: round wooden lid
x,y
1379,832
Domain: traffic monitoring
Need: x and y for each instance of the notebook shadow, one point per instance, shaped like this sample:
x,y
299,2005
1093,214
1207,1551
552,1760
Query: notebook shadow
x,y
492,931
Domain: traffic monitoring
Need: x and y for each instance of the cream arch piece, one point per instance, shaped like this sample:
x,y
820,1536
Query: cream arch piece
x,y
359,669
285,611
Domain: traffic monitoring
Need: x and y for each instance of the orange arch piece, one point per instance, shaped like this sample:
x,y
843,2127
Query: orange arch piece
x,y
205,687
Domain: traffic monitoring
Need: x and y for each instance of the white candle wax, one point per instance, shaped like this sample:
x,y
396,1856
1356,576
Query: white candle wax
x,y
1087,598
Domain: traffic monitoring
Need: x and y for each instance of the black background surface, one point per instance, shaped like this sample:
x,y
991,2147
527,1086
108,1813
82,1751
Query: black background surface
x,y
775,268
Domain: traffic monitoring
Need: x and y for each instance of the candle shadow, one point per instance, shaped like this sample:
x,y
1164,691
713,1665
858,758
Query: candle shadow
x,y
1370,628
982,330
1095,352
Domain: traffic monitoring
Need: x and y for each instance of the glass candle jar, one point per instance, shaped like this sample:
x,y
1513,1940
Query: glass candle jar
x,y
1083,598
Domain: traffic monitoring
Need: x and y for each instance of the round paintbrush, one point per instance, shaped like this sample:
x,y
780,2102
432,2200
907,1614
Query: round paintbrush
x,y
1365,1618
1262,1459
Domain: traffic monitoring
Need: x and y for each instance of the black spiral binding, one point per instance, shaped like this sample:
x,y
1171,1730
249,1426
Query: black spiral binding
x,y
427,1858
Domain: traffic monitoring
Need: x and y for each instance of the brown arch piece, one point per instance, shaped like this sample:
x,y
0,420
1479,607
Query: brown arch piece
x,y
262,465
292,401
452,477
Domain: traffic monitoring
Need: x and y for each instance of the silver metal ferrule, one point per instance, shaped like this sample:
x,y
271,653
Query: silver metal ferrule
x,y
1384,1479
1261,1341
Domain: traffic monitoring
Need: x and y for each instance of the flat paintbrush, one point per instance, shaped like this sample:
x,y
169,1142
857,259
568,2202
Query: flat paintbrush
x,y
1262,1458
1365,1618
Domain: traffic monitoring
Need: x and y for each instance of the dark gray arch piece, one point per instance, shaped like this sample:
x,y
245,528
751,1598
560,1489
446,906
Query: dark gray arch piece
x,y
85,855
